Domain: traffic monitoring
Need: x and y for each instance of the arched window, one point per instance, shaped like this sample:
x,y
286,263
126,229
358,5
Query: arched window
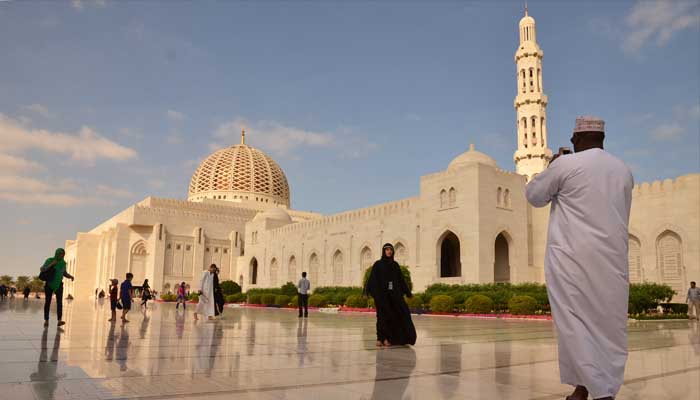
x,y
525,131
501,264
506,198
670,260
542,132
634,255
400,253
534,131
450,262
499,197
453,197
273,272
137,262
366,258
292,275
443,198
314,265
538,79
338,267
253,271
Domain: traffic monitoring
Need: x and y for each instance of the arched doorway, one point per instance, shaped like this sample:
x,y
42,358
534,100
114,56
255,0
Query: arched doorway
x,y
292,270
501,264
253,271
338,268
450,261
137,263
273,272
401,255
366,258
314,265
669,250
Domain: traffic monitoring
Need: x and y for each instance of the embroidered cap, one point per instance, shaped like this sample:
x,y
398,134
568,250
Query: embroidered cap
x,y
588,123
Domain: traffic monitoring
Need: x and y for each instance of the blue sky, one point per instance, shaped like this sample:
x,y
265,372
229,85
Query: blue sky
x,y
104,103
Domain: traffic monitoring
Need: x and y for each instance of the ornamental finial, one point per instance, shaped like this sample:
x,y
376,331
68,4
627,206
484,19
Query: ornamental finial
x,y
243,136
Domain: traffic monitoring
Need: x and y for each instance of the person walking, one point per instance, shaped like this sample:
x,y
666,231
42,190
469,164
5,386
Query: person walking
x,y
26,292
219,300
303,288
181,296
126,294
145,294
586,267
387,287
693,300
114,299
53,271
205,305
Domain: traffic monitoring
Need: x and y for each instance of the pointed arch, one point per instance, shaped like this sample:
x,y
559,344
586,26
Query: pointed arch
x,y
337,267
501,263
452,197
253,271
400,253
274,269
634,257
314,266
365,258
506,198
499,196
669,256
443,198
137,260
292,274
450,255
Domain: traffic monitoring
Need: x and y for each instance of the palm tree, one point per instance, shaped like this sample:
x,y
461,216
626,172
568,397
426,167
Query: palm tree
x,y
6,280
22,281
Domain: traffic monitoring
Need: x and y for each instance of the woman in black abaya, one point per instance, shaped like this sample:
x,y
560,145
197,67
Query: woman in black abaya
x,y
387,286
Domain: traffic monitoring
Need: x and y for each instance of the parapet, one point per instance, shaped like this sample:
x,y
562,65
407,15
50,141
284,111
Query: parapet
x,y
667,185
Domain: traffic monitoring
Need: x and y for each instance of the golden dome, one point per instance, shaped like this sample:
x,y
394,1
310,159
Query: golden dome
x,y
240,173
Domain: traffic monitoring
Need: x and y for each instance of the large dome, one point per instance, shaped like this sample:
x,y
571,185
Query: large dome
x,y
471,157
240,173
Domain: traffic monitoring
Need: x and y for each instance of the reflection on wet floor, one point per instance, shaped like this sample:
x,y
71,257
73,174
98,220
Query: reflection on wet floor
x,y
271,354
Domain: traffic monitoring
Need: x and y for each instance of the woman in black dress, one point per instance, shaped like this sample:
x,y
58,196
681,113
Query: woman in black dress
x,y
387,286
218,294
145,294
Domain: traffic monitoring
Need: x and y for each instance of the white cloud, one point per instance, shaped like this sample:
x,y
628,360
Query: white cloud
x,y
174,138
81,4
175,116
85,146
13,163
272,136
658,21
104,190
670,131
26,190
39,110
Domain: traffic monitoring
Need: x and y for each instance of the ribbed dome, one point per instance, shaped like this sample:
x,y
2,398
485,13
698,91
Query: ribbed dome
x,y
471,157
240,173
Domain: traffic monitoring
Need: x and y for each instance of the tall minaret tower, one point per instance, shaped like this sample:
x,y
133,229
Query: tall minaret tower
x,y
532,155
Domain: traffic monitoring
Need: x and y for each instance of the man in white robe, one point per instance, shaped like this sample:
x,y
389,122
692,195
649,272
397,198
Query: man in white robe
x,y
205,306
586,267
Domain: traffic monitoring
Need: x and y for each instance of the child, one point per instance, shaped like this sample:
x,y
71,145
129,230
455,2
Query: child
x,y
114,299
126,294
181,296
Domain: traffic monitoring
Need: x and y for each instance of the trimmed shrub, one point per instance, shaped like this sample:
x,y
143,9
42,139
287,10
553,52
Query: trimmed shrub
x,y
404,271
522,305
339,299
370,303
675,308
442,303
415,302
289,289
168,297
478,304
235,298
267,299
229,288
294,301
355,301
282,300
318,300
647,296
192,297
255,298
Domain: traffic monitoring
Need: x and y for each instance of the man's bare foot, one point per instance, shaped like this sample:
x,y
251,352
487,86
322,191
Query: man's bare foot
x,y
379,343
580,393
61,323
387,343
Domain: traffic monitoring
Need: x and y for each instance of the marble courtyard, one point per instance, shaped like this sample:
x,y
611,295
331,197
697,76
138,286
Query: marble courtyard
x,y
267,354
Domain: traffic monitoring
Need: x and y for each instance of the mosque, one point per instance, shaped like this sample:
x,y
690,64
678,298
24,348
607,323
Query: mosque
x,y
469,223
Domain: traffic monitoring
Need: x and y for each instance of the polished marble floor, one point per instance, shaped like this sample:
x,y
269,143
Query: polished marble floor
x,y
269,354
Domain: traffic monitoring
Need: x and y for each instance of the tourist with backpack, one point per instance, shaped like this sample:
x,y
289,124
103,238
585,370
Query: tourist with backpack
x,y
52,272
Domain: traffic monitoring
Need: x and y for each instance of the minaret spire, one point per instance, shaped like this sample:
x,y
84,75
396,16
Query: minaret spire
x,y
526,8
243,136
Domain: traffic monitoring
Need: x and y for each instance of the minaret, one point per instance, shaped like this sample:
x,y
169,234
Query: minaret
x,y
532,155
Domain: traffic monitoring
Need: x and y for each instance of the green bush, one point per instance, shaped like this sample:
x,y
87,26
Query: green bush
x,y
356,301
282,300
235,298
289,289
415,302
168,297
404,271
370,303
478,304
442,303
675,308
254,298
295,301
647,296
193,297
318,300
229,288
268,299
522,305
338,299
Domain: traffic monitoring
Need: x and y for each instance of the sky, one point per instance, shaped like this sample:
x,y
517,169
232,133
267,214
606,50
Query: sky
x,y
104,103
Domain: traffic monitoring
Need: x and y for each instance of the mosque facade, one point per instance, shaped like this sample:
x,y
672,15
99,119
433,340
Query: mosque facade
x,y
469,223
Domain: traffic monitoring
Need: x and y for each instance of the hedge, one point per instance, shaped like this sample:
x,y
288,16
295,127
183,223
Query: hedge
x,y
522,305
229,287
168,297
254,298
442,303
318,300
282,300
235,298
356,301
193,297
289,289
267,299
647,296
478,304
415,302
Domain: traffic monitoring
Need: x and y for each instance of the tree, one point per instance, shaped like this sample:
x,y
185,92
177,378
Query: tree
x,y
36,285
23,281
6,280
229,287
